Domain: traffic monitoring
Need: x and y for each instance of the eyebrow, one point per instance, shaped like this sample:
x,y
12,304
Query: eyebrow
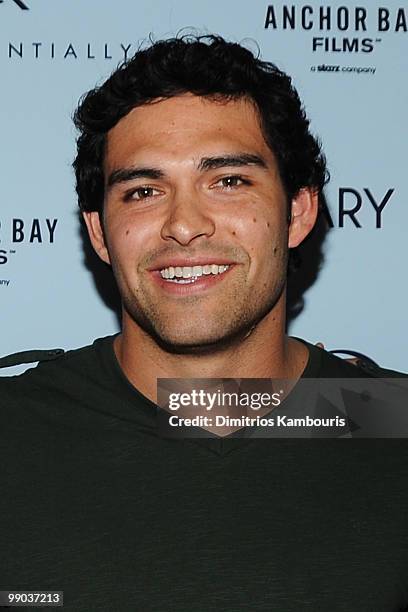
x,y
235,160
124,175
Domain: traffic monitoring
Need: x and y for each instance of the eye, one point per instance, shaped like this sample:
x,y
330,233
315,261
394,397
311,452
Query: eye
x,y
229,182
141,193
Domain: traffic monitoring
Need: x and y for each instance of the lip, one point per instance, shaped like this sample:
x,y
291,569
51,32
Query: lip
x,y
189,262
202,284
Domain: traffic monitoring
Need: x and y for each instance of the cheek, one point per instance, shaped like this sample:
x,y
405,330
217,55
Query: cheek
x,y
260,234
128,238
125,246
267,250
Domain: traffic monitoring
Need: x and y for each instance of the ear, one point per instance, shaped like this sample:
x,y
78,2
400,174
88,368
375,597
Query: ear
x,y
96,234
304,215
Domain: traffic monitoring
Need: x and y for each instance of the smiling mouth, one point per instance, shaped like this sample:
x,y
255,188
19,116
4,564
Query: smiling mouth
x,y
185,281
188,275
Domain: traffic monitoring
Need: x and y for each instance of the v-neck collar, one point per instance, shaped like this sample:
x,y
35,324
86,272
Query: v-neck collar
x,y
142,410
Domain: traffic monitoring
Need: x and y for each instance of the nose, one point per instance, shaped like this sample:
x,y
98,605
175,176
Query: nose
x,y
187,219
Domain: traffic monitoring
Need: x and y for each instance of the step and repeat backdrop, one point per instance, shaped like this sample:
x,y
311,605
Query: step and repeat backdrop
x,y
349,63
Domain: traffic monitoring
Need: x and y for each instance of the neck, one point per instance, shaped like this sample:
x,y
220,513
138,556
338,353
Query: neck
x,y
266,352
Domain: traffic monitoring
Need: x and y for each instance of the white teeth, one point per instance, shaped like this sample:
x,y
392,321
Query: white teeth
x,y
194,272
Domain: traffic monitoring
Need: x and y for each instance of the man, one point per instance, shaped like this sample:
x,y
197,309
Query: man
x,y
196,173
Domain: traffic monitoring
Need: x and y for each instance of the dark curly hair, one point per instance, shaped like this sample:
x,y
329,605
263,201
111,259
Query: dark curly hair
x,y
205,66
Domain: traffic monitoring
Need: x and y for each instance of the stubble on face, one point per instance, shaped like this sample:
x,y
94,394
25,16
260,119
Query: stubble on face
x,y
237,313
255,239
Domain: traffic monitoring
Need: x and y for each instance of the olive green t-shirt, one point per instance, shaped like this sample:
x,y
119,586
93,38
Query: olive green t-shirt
x,y
94,503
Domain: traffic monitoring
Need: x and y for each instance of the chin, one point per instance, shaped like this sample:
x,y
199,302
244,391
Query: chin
x,y
201,344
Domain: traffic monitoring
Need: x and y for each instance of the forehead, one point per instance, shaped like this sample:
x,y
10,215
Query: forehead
x,y
186,126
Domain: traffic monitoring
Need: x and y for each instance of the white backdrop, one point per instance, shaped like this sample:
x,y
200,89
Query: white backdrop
x,y
352,78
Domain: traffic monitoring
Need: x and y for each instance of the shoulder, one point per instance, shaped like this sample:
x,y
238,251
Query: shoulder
x,y
375,371
56,369
324,364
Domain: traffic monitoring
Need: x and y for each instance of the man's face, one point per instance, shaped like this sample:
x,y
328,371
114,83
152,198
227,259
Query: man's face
x,y
195,221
